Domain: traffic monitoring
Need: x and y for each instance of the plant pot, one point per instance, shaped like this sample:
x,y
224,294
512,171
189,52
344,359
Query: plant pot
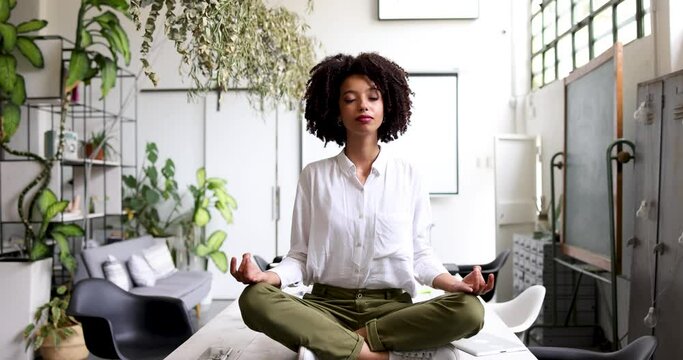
x,y
71,348
27,286
89,148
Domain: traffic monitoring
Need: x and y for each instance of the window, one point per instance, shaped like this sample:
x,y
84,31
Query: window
x,y
566,34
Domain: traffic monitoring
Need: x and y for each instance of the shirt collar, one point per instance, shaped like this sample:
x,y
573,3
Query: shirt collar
x,y
378,165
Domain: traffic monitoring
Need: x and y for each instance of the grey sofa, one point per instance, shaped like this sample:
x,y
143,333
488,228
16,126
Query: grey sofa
x,y
189,286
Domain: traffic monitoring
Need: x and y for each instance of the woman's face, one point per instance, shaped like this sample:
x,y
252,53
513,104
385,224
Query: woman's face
x,y
360,106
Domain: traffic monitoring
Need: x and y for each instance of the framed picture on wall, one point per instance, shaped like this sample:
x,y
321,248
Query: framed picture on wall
x,y
427,9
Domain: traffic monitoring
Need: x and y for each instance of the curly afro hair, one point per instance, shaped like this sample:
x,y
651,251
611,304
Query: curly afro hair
x,y
322,95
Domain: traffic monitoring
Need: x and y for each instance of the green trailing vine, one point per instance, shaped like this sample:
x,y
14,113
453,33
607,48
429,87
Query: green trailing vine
x,y
231,43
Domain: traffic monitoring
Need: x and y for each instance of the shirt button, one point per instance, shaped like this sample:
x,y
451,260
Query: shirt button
x,y
359,295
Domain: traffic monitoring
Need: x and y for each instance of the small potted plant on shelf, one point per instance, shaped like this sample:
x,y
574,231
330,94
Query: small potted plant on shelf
x,y
99,144
53,333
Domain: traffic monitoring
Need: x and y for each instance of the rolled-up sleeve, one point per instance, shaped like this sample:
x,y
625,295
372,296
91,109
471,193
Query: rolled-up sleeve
x,y
293,266
426,265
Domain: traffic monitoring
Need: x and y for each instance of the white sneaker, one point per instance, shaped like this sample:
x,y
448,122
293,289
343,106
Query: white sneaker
x,y
305,354
446,352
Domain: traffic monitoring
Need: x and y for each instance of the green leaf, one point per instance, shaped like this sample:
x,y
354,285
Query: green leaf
x,y
220,260
69,230
61,290
18,95
152,152
106,19
130,181
153,175
216,240
56,314
12,4
113,41
8,72
31,51
28,329
202,250
201,177
11,115
45,200
86,38
55,209
78,67
226,213
64,252
116,4
39,251
150,195
9,36
124,42
201,217
31,25
4,10
108,71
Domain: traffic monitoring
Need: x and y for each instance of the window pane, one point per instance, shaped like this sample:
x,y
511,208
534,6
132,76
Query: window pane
x,y
564,6
549,58
549,75
581,10
602,23
646,6
625,11
564,67
536,44
564,23
537,64
602,44
581,38
549,34
647,24
536,5
536,24
582,57
598,3
536,81
628,32
549,14
564,47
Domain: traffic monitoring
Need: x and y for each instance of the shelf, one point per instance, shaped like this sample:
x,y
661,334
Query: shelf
x,y
79,110
77,217
83,162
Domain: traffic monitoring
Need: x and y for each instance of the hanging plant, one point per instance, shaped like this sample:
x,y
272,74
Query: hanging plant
x,y
233,43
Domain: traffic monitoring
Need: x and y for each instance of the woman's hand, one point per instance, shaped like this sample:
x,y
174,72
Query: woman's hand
x,y
248,272
473,283
476,282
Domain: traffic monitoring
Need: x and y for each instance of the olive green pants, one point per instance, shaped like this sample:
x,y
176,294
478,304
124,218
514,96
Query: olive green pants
x,y
325,320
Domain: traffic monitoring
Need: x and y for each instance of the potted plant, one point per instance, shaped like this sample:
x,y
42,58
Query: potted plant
x,y
53,333
144,193
208,193
98,146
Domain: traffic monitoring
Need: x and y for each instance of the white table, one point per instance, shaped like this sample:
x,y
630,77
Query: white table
x,y
228,330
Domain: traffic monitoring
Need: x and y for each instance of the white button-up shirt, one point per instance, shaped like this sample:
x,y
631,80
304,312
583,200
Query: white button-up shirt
x,y
350,235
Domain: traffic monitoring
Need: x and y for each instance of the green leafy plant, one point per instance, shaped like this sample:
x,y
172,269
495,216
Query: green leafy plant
x,y
228,43
100,141
50,321
144,193
209,193
98,35
49,207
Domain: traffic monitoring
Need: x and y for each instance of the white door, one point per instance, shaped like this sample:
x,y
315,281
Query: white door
x,y
240,147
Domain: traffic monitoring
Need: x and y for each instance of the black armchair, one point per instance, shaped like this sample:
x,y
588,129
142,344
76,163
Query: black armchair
x,y
640,349
491,268
118,324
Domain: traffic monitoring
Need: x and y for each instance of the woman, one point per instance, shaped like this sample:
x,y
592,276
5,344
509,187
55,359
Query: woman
x,y
360,235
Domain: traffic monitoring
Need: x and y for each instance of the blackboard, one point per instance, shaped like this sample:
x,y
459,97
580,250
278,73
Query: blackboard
x,y
593,118
431,141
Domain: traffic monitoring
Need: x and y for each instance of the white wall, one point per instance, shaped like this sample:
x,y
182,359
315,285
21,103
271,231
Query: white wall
x,y
465,226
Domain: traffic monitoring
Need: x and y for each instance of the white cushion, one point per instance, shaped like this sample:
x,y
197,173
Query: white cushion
x,y
159,259
140,271
115,272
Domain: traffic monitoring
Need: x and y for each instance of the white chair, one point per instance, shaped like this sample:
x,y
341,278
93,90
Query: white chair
x,y
521,312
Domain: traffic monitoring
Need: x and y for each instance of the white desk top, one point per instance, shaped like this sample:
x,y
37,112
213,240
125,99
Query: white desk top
x,y
228,330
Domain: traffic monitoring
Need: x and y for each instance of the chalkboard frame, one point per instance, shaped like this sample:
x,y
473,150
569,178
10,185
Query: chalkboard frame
x,y
569,246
